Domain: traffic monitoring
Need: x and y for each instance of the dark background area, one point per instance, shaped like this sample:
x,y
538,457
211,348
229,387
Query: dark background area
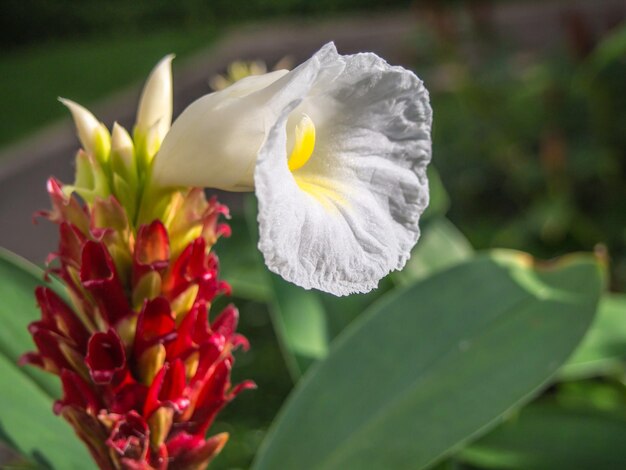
x,y
26,22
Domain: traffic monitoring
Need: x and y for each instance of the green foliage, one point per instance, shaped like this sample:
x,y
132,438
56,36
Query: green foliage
x,y
17,309
531,146
26,419
430,366
545,436
441,245
27,422
75,20
439,202
241,264
307,321
608,53
603,350
84,72
300,320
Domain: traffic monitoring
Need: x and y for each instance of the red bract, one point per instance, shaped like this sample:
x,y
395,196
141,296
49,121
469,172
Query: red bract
x,y
143,371
99,277
106,358
152,250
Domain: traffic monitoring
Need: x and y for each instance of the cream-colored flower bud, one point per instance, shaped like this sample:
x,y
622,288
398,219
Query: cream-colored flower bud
x,y
123,153
121,142
93,135
155,105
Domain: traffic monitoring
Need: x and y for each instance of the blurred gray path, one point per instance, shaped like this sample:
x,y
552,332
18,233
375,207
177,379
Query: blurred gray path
x,y
27,165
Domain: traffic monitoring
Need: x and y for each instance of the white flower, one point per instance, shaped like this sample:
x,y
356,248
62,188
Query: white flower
x,y
336,151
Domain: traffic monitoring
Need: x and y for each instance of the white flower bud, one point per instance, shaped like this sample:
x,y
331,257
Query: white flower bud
x,y
155,104
92,134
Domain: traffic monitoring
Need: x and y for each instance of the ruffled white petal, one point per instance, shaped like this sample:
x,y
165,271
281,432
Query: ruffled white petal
x,y
155,104
350,215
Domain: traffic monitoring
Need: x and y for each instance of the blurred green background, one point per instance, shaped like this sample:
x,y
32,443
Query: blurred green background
x,y
90,48
530,144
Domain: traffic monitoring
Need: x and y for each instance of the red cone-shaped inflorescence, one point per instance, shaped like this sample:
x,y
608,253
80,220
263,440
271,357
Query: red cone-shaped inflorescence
x,y
143,371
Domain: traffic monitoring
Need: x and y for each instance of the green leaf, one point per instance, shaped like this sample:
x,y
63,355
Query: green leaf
x,y
240,263
546,436
431,366
10,458
610,50
603,349
341,311
299,319
441,246
28,424
607,395
439,199
18,279
307,321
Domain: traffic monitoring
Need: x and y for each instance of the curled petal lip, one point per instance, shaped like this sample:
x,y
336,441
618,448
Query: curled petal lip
x,y
106,358
130,436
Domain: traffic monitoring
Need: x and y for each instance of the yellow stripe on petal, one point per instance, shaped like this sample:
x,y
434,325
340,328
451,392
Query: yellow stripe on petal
x,y
304,144
324,190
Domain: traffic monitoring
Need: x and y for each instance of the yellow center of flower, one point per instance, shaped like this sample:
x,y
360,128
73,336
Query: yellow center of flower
x,y
320,187
304,143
